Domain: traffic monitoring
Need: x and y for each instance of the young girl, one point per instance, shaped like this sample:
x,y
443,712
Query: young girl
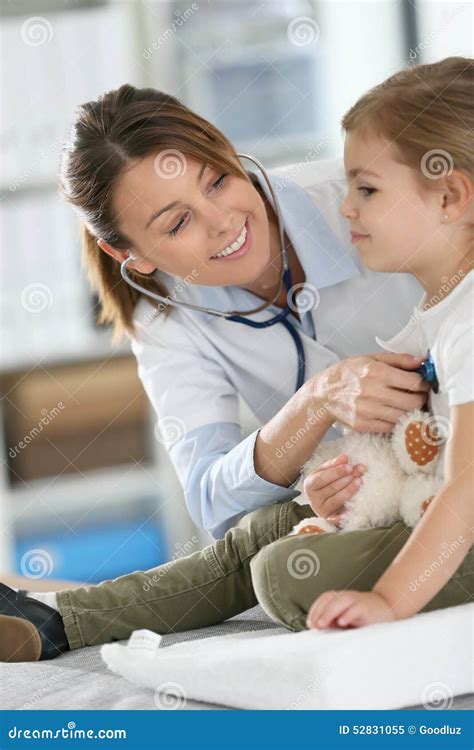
x,y
406,215
409,159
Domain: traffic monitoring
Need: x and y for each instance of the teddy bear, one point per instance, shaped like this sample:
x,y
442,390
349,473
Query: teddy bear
x,y
404,473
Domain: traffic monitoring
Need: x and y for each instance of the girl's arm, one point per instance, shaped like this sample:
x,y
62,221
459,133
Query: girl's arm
x,y
443,536
435,549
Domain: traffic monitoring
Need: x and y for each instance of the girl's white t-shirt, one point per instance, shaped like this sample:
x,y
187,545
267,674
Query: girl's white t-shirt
x,y
446,330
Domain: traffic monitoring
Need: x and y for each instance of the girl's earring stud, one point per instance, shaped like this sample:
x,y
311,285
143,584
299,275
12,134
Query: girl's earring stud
x,y
445,217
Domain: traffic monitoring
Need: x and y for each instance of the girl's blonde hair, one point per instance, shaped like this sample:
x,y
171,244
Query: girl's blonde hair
x,y
427,113
108,136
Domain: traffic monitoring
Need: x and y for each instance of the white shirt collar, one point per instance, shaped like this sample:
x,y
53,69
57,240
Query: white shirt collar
x,y
423,325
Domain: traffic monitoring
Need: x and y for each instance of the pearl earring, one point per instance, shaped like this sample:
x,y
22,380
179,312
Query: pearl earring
x,y
445,217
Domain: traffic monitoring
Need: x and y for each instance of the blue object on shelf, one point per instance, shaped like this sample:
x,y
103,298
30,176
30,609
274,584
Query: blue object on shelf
x,y
93,552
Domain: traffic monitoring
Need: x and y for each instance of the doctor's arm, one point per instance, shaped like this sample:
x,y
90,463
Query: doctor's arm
x,y
224,476
366,393
439,543
198,421
216,470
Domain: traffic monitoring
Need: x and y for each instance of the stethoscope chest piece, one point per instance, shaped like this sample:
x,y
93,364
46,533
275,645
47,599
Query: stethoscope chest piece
x,y
427,370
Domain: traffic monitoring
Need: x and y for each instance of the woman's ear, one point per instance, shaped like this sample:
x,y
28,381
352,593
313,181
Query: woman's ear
x,y
120,255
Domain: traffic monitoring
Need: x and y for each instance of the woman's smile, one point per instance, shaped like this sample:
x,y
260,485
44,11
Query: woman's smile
x,y
239,247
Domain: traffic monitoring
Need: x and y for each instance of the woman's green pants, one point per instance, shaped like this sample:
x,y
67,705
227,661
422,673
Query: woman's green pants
x,y
256,562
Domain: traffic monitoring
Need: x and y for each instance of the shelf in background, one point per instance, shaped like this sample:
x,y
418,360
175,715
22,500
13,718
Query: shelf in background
x,y
110,489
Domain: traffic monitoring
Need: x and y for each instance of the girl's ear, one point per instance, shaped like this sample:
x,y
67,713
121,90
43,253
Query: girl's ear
x,y
457,195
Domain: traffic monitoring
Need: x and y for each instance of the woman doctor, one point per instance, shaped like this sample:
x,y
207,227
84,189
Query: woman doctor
x,y
158,186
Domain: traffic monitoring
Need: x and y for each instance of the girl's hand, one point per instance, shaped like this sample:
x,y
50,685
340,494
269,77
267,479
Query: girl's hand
x,y
331,485
348,609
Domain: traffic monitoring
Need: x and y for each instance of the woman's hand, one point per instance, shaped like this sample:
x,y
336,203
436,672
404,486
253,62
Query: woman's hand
x,y
348,609
331,485
371,393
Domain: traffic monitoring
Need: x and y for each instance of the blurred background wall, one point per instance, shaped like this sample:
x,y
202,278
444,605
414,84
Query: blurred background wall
x,y
87,490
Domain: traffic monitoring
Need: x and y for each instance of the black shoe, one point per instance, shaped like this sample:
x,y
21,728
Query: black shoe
x,y
41,637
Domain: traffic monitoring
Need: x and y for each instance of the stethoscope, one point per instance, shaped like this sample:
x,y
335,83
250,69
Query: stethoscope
x,y
427,370
236,316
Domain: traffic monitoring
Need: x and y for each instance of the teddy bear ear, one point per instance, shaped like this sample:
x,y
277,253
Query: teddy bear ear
x,y
414,442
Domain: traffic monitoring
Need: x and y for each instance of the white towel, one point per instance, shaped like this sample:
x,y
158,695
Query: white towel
x,y
426,659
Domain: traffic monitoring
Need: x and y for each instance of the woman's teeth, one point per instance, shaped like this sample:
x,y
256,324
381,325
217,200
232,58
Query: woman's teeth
x,y
235,245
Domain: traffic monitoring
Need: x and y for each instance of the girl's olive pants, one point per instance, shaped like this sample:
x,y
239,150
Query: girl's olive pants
x,y
256,562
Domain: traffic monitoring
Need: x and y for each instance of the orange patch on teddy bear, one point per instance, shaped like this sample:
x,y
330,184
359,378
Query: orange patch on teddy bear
x,y
310,528
420,451
425,504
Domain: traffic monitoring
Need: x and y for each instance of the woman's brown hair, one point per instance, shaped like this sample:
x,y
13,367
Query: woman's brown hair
x,y
424,111
108,136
